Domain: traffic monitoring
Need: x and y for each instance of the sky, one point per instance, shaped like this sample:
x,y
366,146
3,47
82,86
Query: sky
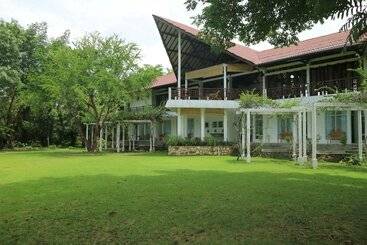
x,y
130,19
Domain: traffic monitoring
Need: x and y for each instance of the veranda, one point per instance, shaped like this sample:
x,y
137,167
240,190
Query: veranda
x,y
301,116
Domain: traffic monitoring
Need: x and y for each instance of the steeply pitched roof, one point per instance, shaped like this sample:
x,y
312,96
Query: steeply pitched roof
x,y
164,80
309,46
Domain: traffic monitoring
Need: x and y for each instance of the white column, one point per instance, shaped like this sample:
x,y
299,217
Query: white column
x,y
264,86
365,129
179,65
179,122
169,93
202,124
294,137
314,137
304,134
349,127
225,81
225,125
123,137
118,138
100,139
86,135
248,136
92,134
300,157
254,128
106,137
308,80
113,138
243,137
153,136
360,140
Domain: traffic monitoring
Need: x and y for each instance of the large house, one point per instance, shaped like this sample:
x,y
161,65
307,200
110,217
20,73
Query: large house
x,y
203,90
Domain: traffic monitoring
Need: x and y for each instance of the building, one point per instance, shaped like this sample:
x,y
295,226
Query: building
x,y
203,91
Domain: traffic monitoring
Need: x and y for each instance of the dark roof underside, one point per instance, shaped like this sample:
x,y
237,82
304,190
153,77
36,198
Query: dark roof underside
x,y
195,54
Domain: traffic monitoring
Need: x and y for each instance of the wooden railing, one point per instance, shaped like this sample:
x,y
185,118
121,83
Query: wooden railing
x,y
207,93
316,88
283,91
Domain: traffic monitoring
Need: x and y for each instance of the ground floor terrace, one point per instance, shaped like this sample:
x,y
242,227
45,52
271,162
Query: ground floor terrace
x,y
74,197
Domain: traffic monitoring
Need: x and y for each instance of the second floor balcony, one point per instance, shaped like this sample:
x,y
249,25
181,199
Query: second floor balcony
x,y
283,91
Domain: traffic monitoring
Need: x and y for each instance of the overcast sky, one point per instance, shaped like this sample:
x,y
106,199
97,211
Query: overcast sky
x,y
130,19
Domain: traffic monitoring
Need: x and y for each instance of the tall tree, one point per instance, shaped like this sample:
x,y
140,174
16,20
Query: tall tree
x,y
20,54
276,21
95,79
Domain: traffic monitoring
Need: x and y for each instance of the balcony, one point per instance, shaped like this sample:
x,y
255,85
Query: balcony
x,y
206,93
281,92
316,88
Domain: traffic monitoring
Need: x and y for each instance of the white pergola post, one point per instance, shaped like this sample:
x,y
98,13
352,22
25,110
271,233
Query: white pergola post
x,y
153,136
360,140
225,125
304,134
202,124
294,137
118,138
248,136
254,128
243,137
113,137
314,137
179,122
150,139
179,65
225,81
86,135
300,156
92,134
123,137
106,137
365,129
101,139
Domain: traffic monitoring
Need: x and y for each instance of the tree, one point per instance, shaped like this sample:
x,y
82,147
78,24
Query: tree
x,y
20,53
276,21
95,79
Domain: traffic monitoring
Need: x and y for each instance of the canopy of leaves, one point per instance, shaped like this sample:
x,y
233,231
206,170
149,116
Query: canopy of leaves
x,y
276,21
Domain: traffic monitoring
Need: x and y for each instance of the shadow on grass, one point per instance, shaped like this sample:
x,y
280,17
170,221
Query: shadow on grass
x,y
185,206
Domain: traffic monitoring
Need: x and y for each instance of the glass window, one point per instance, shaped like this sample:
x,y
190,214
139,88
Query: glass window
x,y
167,127
285,128
335,125
259,126
190,127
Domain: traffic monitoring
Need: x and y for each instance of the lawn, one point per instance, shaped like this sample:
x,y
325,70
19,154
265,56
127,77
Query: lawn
x,y
66,196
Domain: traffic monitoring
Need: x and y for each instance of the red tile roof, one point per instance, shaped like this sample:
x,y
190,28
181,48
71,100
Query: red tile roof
x,y
313,45
167,79
309,46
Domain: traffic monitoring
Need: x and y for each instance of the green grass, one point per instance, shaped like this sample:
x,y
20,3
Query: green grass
x,y
66,196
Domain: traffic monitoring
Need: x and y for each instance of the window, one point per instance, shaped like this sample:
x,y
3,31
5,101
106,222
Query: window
x,y
258,126
190,127
335,125
285,128
167,127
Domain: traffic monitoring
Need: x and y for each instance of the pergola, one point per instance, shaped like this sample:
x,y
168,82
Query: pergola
x,y
119,131
300,129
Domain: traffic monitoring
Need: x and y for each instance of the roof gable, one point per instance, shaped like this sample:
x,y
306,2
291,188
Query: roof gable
x,y
309,46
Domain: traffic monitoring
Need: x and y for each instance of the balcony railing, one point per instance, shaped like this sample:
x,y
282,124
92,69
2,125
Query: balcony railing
x,y
316,88
280,92
206,93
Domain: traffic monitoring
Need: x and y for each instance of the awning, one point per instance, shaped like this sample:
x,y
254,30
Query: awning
x,y
217,70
